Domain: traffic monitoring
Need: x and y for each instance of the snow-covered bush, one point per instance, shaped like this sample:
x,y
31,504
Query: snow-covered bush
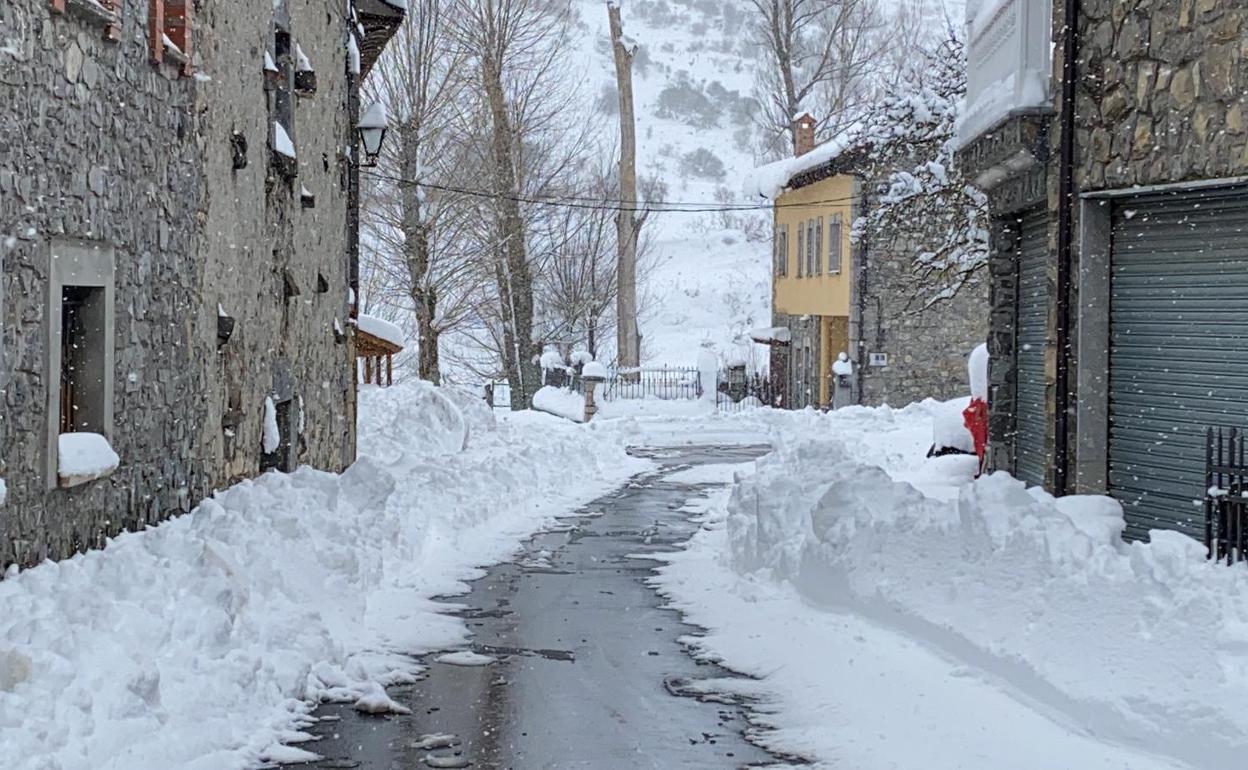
x,y
910,136
689,103
702,164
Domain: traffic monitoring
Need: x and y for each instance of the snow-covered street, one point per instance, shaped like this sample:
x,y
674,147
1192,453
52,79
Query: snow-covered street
x,y
851,603
545,384
204,643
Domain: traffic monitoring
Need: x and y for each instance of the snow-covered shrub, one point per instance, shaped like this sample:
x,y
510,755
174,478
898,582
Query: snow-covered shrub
x,y
910,138
703,164
688,102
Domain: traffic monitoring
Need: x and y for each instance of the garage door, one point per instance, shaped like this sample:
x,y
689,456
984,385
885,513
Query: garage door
x,y
1031,425
1178,349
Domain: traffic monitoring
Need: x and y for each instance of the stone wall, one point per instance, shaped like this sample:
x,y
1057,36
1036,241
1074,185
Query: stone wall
x,y
1162,98
102,148
97,144
1163,92
261,244
801,389
927,345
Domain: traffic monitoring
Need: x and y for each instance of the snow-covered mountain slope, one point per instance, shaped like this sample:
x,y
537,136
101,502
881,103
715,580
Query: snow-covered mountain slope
x,y
694,77
709,280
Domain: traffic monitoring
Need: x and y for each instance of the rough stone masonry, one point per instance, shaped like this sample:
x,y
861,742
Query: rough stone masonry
x,y
229,271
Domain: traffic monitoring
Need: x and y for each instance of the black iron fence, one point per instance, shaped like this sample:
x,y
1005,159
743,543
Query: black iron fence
x,y
1226,495
680,383
737,391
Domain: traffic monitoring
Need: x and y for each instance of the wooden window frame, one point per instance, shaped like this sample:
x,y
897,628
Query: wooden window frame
x,y
835,250
801,249
810,247
819,246
171,19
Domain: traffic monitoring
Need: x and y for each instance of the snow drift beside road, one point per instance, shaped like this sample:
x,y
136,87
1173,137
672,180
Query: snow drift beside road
x,y
202,644
1141,645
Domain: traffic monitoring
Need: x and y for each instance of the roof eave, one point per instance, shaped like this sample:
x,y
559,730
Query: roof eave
x,y
380,21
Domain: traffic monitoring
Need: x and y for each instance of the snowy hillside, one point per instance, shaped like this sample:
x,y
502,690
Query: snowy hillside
x,y
710,282
693,79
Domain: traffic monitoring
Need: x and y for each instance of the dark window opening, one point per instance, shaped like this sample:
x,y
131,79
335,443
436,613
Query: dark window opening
x,y
83,315
283,105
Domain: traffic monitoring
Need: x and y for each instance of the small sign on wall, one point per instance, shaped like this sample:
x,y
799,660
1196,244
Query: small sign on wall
x,y
878,359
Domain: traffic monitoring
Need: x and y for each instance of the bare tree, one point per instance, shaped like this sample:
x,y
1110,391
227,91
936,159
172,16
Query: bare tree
x,y
512,44
920,181
418,79
819,56
628,222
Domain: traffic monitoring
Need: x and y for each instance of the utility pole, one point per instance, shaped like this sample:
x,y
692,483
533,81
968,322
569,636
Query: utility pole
x,y
627,223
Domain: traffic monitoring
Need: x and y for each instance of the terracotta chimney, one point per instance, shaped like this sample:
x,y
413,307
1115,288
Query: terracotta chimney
x,y
803,135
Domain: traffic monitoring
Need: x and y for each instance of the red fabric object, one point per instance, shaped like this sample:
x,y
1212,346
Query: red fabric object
x,y
975,417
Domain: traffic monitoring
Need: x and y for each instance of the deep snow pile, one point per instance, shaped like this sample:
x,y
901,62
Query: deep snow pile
x,y
203,642
1140,645
560,402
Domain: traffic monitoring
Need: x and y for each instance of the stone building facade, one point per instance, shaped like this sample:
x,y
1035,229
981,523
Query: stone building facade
x,y
1154,288
925,346
903,347
172,277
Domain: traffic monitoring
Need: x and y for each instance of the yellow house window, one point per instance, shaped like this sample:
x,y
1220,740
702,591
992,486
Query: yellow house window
x,y
782,250
801,247
818,250
834,244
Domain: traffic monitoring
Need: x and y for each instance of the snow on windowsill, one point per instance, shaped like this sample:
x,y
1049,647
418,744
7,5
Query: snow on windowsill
x,y
272,436
95,9
172,48
302,64
84,457
281,141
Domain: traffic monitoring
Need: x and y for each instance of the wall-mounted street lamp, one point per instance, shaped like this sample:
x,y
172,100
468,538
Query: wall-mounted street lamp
x,y
372,130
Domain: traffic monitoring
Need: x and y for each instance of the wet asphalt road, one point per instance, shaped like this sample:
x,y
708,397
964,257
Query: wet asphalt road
x,y
586,658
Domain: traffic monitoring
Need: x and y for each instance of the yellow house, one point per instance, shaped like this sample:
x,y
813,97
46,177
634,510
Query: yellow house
x,y
811,279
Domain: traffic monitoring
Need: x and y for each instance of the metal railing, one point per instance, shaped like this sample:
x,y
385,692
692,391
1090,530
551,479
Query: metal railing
x,y
1226,494
737,391
668,383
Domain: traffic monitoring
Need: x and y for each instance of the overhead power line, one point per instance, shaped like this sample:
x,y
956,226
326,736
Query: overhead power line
x,y
599,204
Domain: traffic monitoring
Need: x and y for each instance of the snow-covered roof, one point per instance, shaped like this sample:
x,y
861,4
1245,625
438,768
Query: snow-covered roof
x,y
770,181
381,329
772,334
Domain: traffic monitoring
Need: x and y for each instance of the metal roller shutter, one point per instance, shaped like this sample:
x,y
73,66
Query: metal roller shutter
x,y
1031,415
1178,348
